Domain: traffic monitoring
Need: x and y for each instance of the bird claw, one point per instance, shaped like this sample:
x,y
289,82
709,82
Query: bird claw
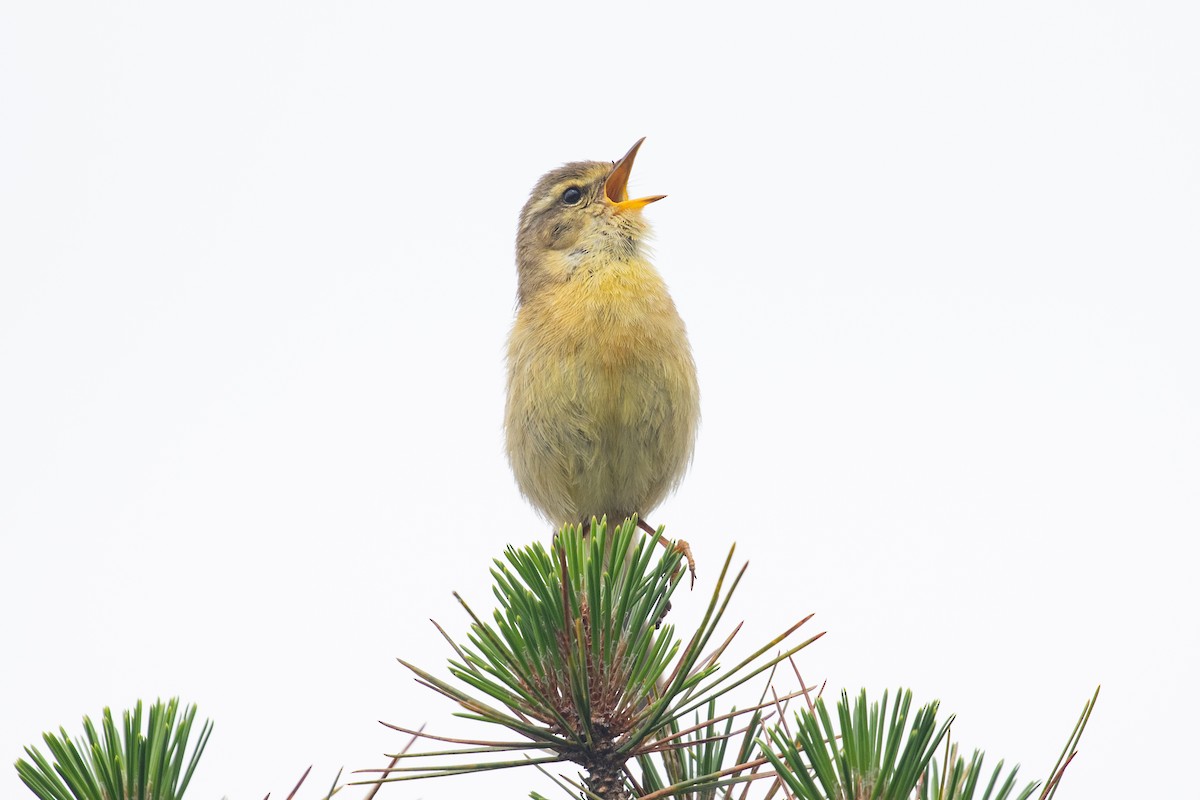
x,y
685,550
679,546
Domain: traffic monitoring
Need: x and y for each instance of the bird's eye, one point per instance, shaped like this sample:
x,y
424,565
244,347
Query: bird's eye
x,y
572,196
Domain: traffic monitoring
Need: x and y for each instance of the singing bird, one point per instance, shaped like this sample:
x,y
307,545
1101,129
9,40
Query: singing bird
x,y
603,403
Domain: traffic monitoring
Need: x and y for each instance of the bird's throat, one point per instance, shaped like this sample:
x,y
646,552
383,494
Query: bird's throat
x,y
612,308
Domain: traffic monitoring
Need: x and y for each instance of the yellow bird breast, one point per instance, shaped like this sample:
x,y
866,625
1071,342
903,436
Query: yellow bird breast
x,y
603,403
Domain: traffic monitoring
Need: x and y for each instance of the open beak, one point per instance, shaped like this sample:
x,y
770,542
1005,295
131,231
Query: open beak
x,y
614,188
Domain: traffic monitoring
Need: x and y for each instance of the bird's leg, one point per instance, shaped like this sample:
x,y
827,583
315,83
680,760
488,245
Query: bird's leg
x,y
681,547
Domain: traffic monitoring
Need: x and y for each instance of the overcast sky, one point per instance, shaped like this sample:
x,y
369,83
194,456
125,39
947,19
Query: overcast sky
x,y
939,263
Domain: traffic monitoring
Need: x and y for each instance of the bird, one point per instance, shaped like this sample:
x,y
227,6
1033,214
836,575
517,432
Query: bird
x,y
603,403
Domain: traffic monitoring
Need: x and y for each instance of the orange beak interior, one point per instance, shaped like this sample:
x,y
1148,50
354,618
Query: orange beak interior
x,y
615,190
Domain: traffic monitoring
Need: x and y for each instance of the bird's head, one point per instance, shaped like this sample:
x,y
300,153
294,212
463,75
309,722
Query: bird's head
x,y
578,213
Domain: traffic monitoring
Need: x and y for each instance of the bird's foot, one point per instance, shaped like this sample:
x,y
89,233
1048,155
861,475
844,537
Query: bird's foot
x,y
679,546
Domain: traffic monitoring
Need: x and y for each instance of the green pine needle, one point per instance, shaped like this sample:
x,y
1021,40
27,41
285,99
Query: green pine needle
x,y
890,759
138,762
881,757
578,661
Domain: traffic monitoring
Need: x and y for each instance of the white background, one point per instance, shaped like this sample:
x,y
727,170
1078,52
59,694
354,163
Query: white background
x,y
939,266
